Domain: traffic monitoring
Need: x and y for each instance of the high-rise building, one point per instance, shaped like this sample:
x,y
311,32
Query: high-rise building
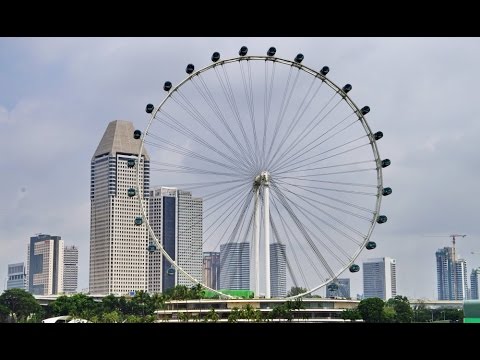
x,y
70,269
118,234
342,290
449,273
176,220
474,276
462,279
380,278
45,265
16,276
235,266
278,270
211,269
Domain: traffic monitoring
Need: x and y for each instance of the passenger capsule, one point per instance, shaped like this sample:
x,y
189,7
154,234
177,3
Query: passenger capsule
x,y
149,108
365,110
152,248
243,51
385,163
190,68
171,271
325,70
138,221
167,86
215,56
137,134
130,163
347,88
371,245
354,268
378,135
271,51
131,192
386,191
298,58
382,219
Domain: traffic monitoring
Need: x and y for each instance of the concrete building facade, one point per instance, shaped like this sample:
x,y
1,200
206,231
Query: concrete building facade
x,y
45,265
118,246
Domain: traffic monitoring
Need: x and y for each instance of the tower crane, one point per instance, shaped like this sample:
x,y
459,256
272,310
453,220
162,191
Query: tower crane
x,y
453,236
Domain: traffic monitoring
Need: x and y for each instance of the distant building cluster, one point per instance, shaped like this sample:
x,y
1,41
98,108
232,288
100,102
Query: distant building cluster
x,y
51,268
452,277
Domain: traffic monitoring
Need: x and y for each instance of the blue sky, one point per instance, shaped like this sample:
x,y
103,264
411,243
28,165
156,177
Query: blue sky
x,y
57,96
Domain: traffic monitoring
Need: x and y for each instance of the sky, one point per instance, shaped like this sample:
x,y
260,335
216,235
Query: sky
x,y
57,95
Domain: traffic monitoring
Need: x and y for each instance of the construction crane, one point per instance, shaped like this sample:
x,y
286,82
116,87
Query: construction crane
x,y
453,236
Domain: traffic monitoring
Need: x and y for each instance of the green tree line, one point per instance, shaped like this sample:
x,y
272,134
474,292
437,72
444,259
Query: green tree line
x,y
399,310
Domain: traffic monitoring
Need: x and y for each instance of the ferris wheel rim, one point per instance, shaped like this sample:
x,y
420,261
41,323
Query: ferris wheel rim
x,y
310,71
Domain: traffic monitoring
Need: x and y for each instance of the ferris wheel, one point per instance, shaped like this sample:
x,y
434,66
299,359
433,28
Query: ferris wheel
x,y
283,161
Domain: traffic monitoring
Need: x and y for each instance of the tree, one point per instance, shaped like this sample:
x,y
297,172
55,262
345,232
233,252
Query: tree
x,y
295,290
110,303
212,316
351,314
234,315
421,313
111,317
389,314
184,316
454,315
179,292
158,301
248,312
83,306
4,314
196,292
371,310
62,306
283,311
141,304
19,303
403,310
79,306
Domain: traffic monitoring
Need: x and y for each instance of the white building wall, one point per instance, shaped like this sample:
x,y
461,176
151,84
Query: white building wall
x,y
70,270
379,278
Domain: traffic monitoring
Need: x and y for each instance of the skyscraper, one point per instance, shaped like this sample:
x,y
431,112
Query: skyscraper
x,y
176,220
380,278
45,265
474,276
462,279
446,276
118,246
16,276
235,266
70,269
342,291
211,269
278,270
